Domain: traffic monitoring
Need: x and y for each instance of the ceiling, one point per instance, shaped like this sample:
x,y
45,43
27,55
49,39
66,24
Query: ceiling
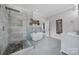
x,y
46,9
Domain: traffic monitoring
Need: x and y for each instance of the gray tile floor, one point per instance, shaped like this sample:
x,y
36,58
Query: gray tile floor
x,y
46,46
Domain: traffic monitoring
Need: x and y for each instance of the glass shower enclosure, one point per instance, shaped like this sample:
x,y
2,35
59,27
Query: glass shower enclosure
x,y
19,31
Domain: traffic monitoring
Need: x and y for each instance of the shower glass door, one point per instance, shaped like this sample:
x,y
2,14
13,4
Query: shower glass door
x,y
19,32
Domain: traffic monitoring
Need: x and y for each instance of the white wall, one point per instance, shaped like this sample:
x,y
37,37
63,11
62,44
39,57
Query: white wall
x,y
70,21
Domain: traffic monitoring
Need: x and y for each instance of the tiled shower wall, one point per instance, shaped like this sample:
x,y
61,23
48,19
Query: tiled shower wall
x,y
16,26
3,29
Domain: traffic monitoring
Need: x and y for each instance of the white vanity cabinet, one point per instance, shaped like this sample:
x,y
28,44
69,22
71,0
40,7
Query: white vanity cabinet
x,y
70,44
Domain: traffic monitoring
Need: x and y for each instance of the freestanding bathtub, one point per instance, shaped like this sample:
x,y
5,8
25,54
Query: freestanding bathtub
x,y
37,36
